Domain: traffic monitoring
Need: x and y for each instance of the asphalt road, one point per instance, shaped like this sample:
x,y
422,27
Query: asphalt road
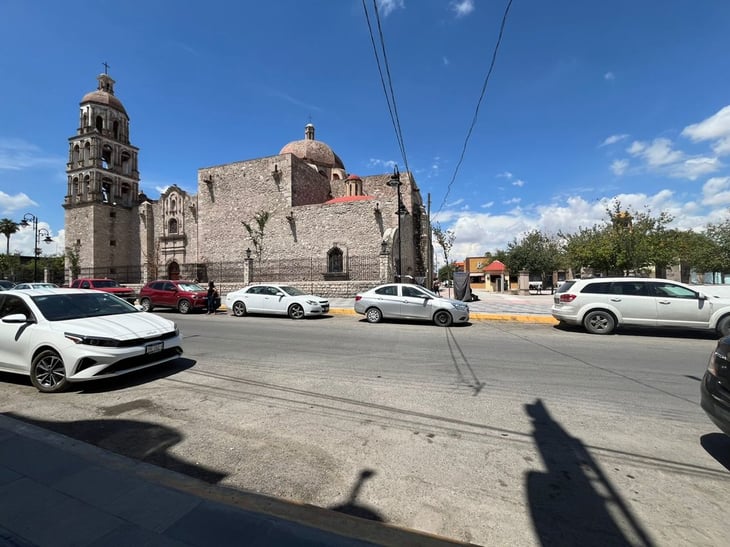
x,y
494,433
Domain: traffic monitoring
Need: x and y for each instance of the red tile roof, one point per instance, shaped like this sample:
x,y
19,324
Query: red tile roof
x,y
495,266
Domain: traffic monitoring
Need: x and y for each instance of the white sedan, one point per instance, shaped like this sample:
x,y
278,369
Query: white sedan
x,y
277,300
58,336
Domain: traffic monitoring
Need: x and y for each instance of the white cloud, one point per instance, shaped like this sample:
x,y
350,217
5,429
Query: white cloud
x,y
389,6
715,128
693,168
446,61
609,76
613,139
716,192
619,166
636,148
10,205
17,154
512,201
519,182
660,152
504,175
386,164
462,8
487,205
479,232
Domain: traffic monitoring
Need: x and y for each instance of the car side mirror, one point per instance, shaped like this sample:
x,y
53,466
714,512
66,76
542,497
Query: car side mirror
x,y
702,296
16,318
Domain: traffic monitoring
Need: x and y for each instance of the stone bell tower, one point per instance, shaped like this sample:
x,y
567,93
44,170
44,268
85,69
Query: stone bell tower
x,y
101,203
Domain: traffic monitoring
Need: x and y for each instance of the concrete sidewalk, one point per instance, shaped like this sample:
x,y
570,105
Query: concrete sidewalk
x,y
56,491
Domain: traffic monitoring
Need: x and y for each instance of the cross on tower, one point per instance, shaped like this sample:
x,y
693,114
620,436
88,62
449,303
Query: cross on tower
x,y
106,67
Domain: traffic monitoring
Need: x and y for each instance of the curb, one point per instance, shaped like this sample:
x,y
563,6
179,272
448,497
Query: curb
x,y
509,317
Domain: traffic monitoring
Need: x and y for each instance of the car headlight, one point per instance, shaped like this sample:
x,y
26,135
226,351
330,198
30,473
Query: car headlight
x,y
312,302
461,307
91,340
718,359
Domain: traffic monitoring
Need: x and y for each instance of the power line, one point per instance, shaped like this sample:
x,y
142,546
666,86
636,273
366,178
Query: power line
x,y
387,89
479,102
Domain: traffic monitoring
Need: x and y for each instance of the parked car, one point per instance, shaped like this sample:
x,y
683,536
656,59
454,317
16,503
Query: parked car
x,y
407,301
601,305
5,284
107,285
276,299
60,336
26,286
184,296
715,386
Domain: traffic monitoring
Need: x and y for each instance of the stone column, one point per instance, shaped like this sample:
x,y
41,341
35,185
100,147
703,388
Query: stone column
x,y
247,270
523,282
386,273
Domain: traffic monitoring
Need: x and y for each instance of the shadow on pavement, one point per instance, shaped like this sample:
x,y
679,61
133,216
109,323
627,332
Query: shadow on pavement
x,y
573,502
355,509
717,445
144,441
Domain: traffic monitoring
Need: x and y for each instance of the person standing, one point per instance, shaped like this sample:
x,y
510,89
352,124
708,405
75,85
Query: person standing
x,y
212,298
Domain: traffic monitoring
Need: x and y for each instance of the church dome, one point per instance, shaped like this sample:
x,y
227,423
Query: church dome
x,y
104,95
313,151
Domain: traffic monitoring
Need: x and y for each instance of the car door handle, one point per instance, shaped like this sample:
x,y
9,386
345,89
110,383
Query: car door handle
x,y
665,302
615,299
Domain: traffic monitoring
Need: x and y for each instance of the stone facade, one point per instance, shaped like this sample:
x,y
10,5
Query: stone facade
x,y
314,210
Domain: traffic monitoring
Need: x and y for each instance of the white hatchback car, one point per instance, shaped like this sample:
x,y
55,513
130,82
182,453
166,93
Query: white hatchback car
x,y
407,301
602,304
58,336
277,300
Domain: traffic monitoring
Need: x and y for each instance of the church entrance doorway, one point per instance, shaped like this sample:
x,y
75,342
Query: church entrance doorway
x,y
173,270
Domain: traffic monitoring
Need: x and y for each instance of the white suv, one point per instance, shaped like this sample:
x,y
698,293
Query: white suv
x,y
604,303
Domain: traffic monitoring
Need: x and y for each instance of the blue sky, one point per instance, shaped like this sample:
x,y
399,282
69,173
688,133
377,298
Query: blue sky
x,y
588,101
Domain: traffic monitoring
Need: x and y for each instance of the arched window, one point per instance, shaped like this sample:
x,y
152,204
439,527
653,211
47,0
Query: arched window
x,y
115,129
173,205
334,260
87,151
172,226
77,154
173,270
99,123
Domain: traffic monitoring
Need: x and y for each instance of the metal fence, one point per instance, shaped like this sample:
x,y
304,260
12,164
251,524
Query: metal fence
x,y
315,269
272,270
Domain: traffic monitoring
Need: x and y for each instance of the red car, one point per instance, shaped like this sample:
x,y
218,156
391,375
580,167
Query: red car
x,y
107,285
184,296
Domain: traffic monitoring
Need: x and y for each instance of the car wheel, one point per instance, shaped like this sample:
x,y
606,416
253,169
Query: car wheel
x,y
296,311
723,326
184,306
599,322
442,318
48,373
373,315
146,304
239,309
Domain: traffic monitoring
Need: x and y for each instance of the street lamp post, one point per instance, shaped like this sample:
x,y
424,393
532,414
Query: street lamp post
x,y
28,220
396,183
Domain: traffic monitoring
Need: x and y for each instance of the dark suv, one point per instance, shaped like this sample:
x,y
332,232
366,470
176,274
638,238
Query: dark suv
x,y
184,296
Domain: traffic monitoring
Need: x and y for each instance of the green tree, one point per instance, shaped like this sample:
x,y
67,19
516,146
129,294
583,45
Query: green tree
x,y
537,253
8,228
73,256
256,231
445,240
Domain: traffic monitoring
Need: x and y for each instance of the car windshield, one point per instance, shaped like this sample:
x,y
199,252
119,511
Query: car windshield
x,y
292,291
190,287
106,283
61,307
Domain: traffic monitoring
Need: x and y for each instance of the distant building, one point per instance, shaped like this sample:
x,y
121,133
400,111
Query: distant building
x,y
339,224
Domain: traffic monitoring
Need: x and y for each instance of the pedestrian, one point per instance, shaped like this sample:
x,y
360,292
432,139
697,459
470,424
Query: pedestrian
x,y
213,299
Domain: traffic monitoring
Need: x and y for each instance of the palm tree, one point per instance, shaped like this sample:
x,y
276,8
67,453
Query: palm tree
x,y
8,228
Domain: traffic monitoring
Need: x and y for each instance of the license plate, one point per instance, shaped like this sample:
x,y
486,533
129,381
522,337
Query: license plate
x,y
154,347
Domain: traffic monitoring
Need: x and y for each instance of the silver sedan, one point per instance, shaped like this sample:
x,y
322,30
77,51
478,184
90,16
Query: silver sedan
x,y
407,301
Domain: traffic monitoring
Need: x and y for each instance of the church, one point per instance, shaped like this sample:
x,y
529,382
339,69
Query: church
x,y
295,216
